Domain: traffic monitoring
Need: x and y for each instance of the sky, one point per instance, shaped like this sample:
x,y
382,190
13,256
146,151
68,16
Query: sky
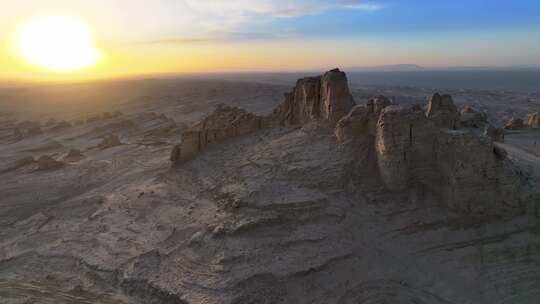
x,y
144,37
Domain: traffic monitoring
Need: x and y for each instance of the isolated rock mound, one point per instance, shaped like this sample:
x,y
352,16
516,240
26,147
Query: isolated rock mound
x,y
61,126
46,162
27,129
325,98
109,141
74,155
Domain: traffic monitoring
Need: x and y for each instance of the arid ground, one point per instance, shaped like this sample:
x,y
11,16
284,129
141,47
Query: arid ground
x,y
91,210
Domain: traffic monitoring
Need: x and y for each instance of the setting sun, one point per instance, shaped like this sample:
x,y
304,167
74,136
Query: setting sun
x,y
58,43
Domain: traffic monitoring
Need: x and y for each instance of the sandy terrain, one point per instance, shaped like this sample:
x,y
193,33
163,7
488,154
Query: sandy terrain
x,y
267,218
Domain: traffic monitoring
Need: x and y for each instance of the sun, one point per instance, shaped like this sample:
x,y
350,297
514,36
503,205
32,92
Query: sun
x,y
58,43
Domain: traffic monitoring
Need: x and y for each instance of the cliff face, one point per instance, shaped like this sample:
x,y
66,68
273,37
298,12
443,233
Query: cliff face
x,y
472,177
426,154
324,98
403,147
434,152
533,121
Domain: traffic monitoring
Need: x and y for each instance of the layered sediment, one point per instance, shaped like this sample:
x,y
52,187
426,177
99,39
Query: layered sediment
x,y
436,151
325,98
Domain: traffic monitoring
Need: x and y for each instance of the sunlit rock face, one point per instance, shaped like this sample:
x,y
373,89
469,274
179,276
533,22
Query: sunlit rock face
x,y
325,98
336,97
534,121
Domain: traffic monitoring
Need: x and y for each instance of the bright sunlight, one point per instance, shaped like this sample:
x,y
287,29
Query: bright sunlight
x,y
58,43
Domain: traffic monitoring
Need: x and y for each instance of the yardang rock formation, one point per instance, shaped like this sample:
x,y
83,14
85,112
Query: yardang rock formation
x,y
433,153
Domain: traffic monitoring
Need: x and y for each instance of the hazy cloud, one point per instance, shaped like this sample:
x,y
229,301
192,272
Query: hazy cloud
x,y
233,20
277,8
180,21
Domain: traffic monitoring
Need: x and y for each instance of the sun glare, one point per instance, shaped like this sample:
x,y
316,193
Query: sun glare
x,y
58,43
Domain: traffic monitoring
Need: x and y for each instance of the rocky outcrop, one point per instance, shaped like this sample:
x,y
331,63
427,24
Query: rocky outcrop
x,y
93,119
27,129
494,133
472,178
46,162
415,153
354,125
404,146
61,126
533,120
325,98
224,123
109,141
438,153
74,155
377,104
515,124
470,118
442,111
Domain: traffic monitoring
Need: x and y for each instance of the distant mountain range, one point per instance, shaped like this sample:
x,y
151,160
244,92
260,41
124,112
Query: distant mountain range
x,y
415,67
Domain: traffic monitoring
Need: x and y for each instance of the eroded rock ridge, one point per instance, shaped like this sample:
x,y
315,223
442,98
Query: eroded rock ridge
x,y
432,151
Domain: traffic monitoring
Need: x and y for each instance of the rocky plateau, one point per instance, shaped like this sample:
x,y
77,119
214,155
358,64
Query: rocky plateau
x,y
224,192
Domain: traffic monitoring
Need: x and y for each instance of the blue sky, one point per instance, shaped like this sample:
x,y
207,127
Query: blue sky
x,y
353,19
224,35
415,19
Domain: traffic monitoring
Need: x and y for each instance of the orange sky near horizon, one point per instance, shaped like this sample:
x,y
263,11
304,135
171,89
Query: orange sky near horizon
x,y
132,59
144,37
128,60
